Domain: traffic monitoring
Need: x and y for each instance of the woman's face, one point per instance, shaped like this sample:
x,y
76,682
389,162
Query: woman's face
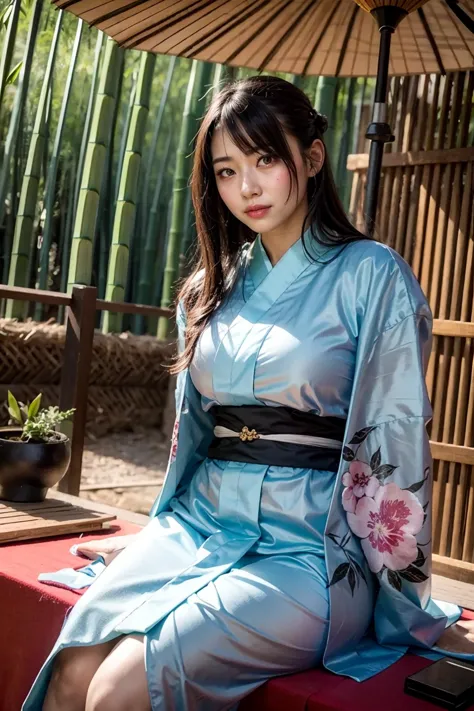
x,y
257,187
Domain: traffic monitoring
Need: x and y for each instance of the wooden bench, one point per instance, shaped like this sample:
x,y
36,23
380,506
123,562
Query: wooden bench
x,y
31,616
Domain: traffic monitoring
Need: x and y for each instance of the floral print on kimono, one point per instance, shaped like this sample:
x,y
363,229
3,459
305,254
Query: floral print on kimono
x,y
378,548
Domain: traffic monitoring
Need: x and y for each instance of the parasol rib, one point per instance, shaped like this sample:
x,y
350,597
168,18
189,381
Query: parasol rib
x,y
257,32
288,32
225,26
318,41
432,40
180,15
350,27
168,23
460,14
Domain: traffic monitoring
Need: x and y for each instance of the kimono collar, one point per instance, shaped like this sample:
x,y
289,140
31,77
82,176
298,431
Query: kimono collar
x,y
259,264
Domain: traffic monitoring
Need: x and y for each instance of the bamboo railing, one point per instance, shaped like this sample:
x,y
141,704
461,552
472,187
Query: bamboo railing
x,y
426,213
81,306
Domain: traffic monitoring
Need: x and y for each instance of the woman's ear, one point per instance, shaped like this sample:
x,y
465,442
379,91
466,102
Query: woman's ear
x,y
316,156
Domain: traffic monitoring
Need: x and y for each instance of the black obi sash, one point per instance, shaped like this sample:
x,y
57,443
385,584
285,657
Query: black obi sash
x,y
262,419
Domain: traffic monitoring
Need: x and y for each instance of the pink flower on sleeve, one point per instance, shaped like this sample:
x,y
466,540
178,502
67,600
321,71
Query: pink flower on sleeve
x,y
387,525
174,440
359,481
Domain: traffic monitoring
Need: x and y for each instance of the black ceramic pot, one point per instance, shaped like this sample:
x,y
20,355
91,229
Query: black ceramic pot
x,y
29,469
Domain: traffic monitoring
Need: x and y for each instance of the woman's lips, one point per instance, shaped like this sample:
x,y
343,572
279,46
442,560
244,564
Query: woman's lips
x,y
257,212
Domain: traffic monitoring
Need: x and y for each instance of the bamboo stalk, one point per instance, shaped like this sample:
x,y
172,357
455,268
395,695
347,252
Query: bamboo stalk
x,y
17,115
452,425
386,214
462,435
414,193
80,266
444,357
151,242
441,387
103,234
88,120
127,196
22,239
189,232
66,249
421,211
468,547
443,246
426,281
462,525
403,180
151,158
430,373
328,88
125,133
50,188
454,209
386,184
396,87
134,234
179,199
453,487
146,217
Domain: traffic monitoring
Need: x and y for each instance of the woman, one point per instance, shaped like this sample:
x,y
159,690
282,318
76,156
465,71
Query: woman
x,y
268,551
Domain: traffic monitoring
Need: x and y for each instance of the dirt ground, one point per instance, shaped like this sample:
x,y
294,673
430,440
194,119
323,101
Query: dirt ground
x,y
127,457
123,458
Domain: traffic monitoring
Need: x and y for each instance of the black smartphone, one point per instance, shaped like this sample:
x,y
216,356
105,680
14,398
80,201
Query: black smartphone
x,y
448,683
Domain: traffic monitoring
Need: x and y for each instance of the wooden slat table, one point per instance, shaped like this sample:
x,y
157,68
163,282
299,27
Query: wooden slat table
x,y
53,517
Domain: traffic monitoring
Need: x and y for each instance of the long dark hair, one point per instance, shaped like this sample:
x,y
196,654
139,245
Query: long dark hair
x,y
255,112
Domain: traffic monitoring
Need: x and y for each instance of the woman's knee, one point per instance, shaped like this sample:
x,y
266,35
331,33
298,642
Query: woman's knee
x,y
105,694
120,683
73,671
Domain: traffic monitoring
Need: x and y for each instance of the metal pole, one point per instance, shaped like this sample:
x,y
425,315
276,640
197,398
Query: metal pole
x,y
379,131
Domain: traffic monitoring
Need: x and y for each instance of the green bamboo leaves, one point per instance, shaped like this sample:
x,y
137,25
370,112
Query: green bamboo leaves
x,y
12,12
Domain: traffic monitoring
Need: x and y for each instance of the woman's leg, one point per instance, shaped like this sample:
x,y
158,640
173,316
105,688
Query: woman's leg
x,y
73,671
264,619
120,684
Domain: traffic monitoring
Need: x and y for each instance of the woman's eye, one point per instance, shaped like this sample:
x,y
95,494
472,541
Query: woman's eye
x,y
267,160
225,173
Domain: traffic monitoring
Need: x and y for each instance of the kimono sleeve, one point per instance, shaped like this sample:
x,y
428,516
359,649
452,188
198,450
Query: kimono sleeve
x,y
192,432
387,482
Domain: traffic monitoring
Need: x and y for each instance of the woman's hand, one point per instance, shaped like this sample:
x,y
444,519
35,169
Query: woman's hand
x,y
458,638
108,548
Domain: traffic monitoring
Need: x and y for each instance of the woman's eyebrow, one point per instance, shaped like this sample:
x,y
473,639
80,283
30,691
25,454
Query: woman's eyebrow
x,y
221,159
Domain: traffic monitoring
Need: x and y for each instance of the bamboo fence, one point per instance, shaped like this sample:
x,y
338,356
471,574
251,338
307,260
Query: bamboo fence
x,y
127,383
426,213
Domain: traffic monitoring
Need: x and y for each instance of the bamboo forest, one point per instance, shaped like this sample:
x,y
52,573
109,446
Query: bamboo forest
x,y
96,148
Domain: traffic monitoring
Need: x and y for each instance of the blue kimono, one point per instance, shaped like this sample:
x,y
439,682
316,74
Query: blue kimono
x,y
248,571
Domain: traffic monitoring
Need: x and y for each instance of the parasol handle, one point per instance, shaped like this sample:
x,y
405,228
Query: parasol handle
x,y
379,131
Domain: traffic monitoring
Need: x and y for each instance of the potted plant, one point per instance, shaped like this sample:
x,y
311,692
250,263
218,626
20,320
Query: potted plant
x,y
33,455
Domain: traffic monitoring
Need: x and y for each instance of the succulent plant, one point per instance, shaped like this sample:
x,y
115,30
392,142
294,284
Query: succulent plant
x,y
36,425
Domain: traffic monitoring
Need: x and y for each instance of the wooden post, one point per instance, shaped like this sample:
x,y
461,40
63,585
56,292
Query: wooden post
x,y
75,377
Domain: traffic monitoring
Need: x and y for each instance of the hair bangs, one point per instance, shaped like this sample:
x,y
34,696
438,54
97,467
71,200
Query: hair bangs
x,y
255,128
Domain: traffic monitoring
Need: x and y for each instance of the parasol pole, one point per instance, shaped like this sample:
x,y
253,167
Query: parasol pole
x,y
379,131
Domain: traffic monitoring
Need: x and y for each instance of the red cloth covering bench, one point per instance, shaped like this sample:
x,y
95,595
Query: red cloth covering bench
x,y
31,616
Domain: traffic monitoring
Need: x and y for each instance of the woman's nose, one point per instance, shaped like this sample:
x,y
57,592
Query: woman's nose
x,y
249,187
